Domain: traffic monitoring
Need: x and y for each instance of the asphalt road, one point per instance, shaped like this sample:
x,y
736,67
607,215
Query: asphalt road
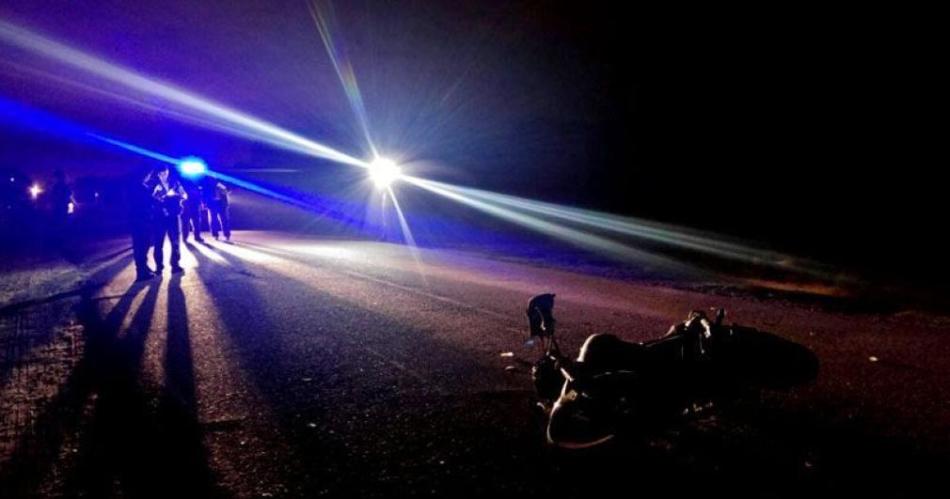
x,y
280,366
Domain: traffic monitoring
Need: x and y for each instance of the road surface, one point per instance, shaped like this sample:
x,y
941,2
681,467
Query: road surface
x,y
283,366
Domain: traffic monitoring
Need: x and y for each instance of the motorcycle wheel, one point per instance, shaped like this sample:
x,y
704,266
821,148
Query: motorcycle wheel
x,y
575,424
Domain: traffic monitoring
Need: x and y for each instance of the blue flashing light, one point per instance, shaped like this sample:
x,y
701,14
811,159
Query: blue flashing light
x,y
192,166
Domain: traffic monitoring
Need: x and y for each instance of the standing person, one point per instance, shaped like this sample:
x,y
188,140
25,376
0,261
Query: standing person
x,y
220,211
207,195
191,223
168,195
142,221
61,196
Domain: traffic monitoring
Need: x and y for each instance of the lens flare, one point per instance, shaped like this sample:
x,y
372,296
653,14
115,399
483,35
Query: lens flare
x,y
383,172
324,18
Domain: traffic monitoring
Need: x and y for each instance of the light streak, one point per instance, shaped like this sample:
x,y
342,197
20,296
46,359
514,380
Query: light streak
x,y
135,149
559,231
631,227
322,13
243,253
37,44
407,236
244,184
209,254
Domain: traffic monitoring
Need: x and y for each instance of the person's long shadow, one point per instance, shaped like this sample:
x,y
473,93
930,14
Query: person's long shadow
x,y
36,452
118,406
178,406
151,452
127,446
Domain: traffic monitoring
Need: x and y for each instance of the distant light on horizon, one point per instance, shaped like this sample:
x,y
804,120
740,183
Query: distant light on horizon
x,y
383,172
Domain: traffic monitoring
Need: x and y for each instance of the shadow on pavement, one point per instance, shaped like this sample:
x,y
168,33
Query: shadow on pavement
x,y
127,446
15,354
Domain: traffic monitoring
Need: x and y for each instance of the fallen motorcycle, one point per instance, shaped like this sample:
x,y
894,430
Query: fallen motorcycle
x,y
614,384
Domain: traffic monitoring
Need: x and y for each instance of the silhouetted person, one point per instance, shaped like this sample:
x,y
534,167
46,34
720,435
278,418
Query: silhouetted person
x,y
168,195
194,206
63,203
541,318
220,210
142,216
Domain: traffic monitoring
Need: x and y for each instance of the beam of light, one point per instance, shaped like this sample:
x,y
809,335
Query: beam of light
x,y
383,172
136,149
407,236
265,170
36,120
250,186
613,223
323,17
628,226
243,252
244,184
258,189
209,254
306,202
188,260
559,231
37,44
204,122
39,121
322,251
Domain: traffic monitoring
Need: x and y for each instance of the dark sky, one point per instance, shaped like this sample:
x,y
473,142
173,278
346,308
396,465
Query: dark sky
x,y
804,128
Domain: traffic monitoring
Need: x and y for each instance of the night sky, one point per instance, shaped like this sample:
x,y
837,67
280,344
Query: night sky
x,y
805,129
